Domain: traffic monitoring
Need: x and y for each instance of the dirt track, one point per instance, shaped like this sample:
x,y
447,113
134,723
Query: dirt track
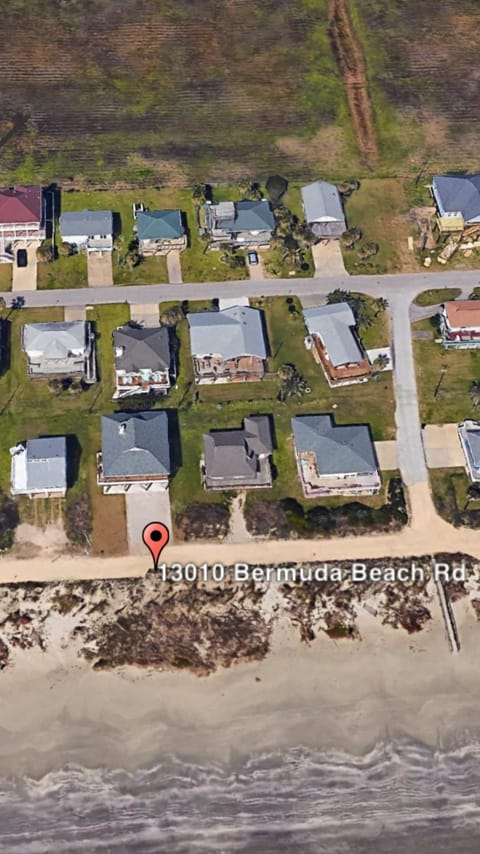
x,y
352,66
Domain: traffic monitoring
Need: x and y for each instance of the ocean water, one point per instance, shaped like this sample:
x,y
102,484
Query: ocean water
x,y
401,797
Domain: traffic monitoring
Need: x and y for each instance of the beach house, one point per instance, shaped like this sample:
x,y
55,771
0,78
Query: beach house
x,y
228,345
135,454
238,459
334,459
332,338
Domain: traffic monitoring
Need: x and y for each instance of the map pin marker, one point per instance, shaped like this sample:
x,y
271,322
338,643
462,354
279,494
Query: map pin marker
x,y
155,536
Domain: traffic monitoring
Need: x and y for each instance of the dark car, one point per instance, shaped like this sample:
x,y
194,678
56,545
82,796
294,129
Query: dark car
x,y
22,258
252,257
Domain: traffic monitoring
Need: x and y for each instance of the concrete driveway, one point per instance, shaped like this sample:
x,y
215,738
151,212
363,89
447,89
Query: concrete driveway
x,y
256,271
442,446
99,269
142,508
174,267
25,278
147,314
387,455
328,259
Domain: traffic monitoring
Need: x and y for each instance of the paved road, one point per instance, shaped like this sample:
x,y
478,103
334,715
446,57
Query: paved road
x,y
408,285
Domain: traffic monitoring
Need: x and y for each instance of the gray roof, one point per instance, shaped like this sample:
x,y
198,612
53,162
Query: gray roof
x,y
339,449
473,438
233,453
322,203
158,225
333,324
46,461
142,348
135,444
236,331
459,193
55,340
85,223
249,216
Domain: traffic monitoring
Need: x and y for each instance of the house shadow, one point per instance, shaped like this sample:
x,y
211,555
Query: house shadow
x,y
186,228
5,345
175,442
117,224
74,454
52,200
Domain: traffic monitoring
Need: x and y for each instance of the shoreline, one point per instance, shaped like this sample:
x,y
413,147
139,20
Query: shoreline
x,y
346,696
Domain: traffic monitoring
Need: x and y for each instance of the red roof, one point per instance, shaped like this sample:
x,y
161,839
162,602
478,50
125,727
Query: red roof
x,y
463,313
20,204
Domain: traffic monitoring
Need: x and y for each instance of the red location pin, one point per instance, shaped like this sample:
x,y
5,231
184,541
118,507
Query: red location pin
x,y
155,536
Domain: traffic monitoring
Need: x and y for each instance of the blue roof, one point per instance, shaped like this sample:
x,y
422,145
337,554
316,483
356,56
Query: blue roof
x,y
338,448
158,225
458,194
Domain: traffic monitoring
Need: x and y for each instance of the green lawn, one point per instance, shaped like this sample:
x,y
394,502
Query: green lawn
x,y
63,273
449,373
437,296
225,406
379,209
6,277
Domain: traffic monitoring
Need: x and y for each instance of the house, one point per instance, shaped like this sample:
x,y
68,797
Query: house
x,y
334,459
228,345
39,467
469,435
143,360
135,453
158,232
90,230
322,206
22,219
458,201
238,459
334,342
247,223
60,349
460,324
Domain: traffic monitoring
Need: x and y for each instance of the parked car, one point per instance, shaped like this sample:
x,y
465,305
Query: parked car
x,y
22,258
252,257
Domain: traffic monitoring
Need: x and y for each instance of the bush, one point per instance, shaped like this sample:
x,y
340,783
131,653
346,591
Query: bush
x,y
9,520
78,520
203,521
276,187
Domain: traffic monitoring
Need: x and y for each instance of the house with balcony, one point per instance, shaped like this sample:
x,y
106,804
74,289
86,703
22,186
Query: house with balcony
x,y
135,455
457,198
469,435
460,324
22,219
322,206
39,467
228,345
160,232
60,349
90,230
238,459
143,360
247,223
334,342
334,459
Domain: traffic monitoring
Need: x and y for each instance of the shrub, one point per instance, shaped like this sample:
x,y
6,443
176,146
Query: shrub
x,y
78,520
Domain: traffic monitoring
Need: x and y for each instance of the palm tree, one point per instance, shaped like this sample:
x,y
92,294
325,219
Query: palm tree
x,y
474,393
381,362
350,237
198,194
338,295
285,372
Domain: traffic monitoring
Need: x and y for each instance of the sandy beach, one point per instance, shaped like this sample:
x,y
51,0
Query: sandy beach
x,y
346,695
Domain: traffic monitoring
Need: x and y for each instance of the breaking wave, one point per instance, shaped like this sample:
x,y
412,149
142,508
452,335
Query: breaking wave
x,y
402,797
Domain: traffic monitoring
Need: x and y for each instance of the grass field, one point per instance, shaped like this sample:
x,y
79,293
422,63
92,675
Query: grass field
x,y
449,488
444,378
437,296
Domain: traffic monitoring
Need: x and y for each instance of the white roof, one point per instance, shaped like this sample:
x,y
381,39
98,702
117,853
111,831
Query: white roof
x,y
333,324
